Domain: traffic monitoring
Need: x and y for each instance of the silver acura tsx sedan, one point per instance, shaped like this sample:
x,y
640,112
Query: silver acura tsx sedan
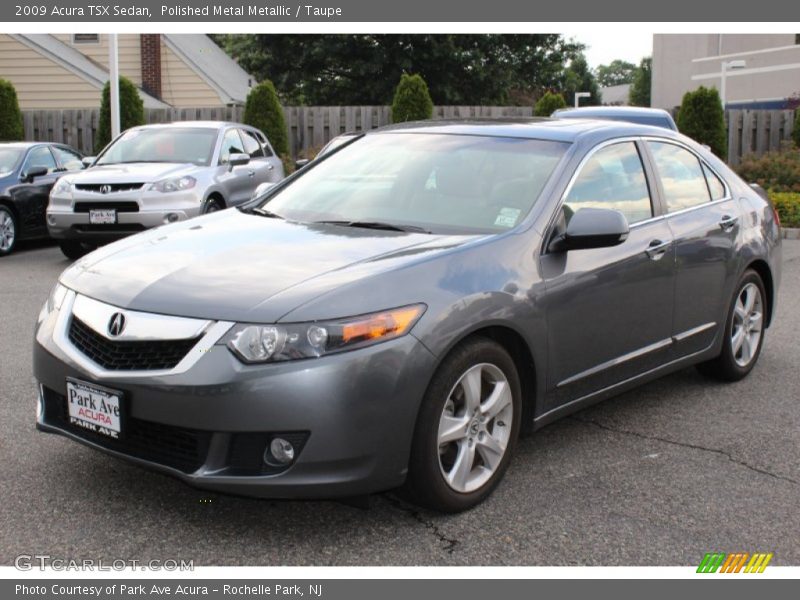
x,y
398,312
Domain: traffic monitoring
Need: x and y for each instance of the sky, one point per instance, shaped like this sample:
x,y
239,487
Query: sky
x,y
603,47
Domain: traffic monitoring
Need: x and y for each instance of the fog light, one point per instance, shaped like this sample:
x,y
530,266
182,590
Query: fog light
x,y
171,217
280,451
51,220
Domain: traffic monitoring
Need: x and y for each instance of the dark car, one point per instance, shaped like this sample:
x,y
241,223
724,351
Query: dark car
x,y
28,171
655,117
398,312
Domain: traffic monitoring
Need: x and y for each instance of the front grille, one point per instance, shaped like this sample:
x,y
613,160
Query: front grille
x,y
120,206
176,447
108,188
128,356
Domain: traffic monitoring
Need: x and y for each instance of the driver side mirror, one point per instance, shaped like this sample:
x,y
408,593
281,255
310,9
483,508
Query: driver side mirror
x,y
88,161
238,159
592,228
32,173
300,163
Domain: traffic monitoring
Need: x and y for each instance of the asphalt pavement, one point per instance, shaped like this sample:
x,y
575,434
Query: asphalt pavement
x,y
657,476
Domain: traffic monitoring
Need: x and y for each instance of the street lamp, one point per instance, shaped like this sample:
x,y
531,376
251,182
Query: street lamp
x,y
579,95
731,65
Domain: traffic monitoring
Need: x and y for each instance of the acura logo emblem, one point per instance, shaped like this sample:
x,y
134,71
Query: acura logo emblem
x,y
116,325
104,189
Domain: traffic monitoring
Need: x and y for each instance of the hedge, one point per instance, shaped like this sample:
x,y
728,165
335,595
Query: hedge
x,y
774,171
11,129
263,111
412,100
702,118
548,104
131,111
788,206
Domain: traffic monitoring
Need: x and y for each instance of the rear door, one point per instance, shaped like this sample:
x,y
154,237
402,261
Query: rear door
x,y
704,220
31,196
237,182
264,170
609,310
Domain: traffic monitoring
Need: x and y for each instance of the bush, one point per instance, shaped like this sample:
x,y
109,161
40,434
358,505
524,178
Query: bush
x,y
701,118
548,104
11,129
262,110
774,171
131,111
788,206
412,101
796,130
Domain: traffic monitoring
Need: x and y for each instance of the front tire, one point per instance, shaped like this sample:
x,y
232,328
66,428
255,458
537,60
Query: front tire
x,y
213,204
744,331
73,249
8,231
467,428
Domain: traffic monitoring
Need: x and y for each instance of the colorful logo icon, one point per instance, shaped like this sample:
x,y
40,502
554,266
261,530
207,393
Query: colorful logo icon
x,y
739,562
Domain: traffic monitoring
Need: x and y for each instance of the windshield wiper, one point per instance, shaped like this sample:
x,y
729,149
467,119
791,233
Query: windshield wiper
x,y
262,212
377,225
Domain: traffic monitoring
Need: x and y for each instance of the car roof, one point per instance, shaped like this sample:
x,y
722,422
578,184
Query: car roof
x,y
24,145
541,128
200,124
618,111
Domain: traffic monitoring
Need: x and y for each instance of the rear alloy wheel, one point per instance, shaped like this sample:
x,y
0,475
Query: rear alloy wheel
x,y
744,332
467,428
73,249
8,231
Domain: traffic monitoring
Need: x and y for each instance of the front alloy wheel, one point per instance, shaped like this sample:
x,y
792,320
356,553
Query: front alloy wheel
x,y
8,231
466,428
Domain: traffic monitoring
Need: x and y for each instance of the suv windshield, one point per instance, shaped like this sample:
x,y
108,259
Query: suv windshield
x,y
176,145
436,182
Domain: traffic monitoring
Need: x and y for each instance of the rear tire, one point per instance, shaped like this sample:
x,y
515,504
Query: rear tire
x,y
73,249
743,333
467,427
8,231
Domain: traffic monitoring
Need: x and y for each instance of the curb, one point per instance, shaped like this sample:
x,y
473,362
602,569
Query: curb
x,y
790,233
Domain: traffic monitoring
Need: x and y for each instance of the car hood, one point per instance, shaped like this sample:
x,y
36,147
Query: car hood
x,y
132,173
241,267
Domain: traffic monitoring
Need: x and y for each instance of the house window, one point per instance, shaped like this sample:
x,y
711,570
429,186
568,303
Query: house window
x,y
85,38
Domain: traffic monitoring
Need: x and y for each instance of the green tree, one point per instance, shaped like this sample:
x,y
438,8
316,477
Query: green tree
x,y
412,101
131,111
578,77
547,104
796,130
640,87
263,110
11,129
350,69
617,72
701,118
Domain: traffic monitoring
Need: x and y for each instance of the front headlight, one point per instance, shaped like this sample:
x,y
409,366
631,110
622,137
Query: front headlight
x,y
275,343
62,186
53,302
175,184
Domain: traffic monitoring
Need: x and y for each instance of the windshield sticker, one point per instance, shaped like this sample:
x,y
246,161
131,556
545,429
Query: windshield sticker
x,y
507,217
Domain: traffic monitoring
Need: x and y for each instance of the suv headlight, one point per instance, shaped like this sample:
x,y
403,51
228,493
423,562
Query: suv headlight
x,y
62,186
275,343
174,184
53,302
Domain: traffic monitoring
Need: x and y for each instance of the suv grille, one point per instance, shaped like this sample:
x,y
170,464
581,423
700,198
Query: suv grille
x,y
128,356
121,206
108,187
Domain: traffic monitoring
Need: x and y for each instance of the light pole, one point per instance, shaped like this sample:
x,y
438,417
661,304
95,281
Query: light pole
x,y
579,95
730,65
113,83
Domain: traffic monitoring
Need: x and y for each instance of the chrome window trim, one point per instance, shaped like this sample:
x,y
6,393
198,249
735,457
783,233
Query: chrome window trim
x,y
212,334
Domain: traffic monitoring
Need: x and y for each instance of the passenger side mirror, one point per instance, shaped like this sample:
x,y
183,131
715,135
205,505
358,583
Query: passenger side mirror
x,y
238,159
88,161
34,172
592,228
300,163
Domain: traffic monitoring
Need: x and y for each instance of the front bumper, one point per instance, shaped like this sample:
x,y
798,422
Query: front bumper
x,y
136,211
352,415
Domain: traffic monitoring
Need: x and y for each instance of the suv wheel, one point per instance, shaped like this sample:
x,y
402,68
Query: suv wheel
x,y
213,204
73,249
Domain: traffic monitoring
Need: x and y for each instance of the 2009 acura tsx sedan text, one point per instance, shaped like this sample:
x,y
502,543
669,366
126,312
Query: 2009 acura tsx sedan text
x,y
396,313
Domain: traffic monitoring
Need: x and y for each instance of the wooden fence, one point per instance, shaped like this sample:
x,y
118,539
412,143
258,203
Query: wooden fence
x,y
754,132
309,127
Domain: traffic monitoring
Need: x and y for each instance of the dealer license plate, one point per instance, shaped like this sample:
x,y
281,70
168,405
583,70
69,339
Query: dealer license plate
x,y
103,216
94,408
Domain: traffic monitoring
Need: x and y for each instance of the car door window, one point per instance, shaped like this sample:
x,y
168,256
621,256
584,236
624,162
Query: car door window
x,y
681,175
715,185
231,144
40,157
612,178
251,144
265,144
71,161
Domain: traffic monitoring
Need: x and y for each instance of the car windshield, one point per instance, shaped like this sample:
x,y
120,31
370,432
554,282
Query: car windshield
x,y
436,182
173,144
9,158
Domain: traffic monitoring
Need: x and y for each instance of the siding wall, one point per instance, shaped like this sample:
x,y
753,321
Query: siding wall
x,y
129,53
41,83
180,85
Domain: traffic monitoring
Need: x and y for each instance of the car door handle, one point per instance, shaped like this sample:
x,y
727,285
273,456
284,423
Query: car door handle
x,y
251,173
657,248
728,222
270,166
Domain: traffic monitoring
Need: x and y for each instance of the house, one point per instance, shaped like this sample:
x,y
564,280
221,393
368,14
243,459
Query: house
x,y
767,73
615,95
64,71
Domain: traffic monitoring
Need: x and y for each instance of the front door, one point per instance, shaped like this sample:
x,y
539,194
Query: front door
x,y
609,310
